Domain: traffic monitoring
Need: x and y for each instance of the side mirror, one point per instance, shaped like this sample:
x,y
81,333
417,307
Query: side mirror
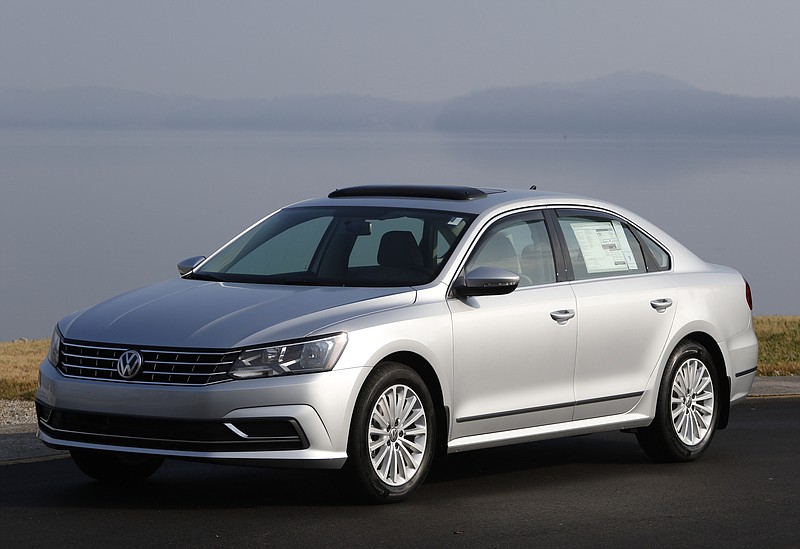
x,y
187,265
487,281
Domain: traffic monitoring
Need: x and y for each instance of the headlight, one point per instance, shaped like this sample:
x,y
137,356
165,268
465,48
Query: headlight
x,y
55,347
316,355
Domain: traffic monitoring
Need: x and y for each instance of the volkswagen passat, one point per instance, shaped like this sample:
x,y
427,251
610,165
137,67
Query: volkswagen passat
x,y
382,325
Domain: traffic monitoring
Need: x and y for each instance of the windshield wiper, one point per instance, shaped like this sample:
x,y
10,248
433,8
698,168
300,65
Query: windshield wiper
x,y
213,277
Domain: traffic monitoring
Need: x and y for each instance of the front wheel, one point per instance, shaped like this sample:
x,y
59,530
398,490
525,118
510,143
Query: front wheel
x,y
687,408
115,466
393,434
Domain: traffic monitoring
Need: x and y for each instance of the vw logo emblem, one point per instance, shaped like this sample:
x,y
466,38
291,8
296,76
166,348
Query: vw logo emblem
x,y
129,364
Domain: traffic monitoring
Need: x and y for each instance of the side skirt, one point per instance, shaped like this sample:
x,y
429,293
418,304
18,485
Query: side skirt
x,y
556,430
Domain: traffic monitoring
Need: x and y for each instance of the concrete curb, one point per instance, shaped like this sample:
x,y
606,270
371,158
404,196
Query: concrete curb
x,y
775,386
18,442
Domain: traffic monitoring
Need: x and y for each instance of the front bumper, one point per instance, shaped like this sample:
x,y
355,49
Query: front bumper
x,y
294,421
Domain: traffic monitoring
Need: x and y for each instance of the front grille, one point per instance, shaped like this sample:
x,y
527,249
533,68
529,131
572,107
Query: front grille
x,y
169,366
172,434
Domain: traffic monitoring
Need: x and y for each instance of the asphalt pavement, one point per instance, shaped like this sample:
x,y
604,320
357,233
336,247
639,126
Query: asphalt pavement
x,y
593,491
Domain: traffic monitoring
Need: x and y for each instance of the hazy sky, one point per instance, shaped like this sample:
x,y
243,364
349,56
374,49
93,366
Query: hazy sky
x,y
406,49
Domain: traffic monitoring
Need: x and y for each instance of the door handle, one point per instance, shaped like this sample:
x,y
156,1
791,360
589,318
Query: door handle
x,y
562,316
661,305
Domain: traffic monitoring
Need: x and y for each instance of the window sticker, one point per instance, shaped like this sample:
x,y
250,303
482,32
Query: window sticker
x,y
604,246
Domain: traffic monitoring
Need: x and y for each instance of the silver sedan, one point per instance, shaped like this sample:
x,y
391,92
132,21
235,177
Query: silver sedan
x,y
380,326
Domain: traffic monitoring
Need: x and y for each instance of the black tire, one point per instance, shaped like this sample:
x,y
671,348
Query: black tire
x,y
403,441
688,406
115,466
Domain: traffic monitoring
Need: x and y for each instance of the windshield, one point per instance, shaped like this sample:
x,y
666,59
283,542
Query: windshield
x,y
340,246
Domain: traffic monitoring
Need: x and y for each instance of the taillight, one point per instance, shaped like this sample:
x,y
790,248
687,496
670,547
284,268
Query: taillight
x,y
748,295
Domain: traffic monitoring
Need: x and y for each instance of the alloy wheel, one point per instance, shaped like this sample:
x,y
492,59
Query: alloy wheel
x,y
692,402
398,435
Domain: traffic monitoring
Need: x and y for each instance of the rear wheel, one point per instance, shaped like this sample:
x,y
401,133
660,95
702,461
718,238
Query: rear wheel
x,y
688,406
393,434
115,466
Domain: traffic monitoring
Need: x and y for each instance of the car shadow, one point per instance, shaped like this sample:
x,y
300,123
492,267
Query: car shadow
x,y
595,450
191,485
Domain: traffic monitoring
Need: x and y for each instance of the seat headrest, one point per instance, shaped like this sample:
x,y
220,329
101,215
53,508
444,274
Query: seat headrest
x,y
399,249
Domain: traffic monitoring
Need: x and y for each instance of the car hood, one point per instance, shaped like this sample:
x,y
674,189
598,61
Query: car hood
x,y
215,315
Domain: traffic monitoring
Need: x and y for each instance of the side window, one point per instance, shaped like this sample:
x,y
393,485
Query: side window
x,y
658,255
519,244
600,245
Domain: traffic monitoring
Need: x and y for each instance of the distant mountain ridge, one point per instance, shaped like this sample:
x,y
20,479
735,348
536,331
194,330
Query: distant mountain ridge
x,y
620,82
107,108
619,103
626,102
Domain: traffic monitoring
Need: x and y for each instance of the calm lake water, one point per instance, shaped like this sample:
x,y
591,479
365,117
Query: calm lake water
x,y
87,215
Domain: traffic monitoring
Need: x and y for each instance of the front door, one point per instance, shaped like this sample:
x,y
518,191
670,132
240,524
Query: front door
x,y
514,354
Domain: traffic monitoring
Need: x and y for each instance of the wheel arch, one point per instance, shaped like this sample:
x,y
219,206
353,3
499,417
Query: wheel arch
x,y
426,371
716,353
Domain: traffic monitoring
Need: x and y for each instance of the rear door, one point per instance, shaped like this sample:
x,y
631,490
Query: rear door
x,y
625,306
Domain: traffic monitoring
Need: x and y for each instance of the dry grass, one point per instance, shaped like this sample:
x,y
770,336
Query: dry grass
x,y
19,363
778,345
778,355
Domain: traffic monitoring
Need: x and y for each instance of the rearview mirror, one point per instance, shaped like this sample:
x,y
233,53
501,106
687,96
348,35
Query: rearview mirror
x,y
358,228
